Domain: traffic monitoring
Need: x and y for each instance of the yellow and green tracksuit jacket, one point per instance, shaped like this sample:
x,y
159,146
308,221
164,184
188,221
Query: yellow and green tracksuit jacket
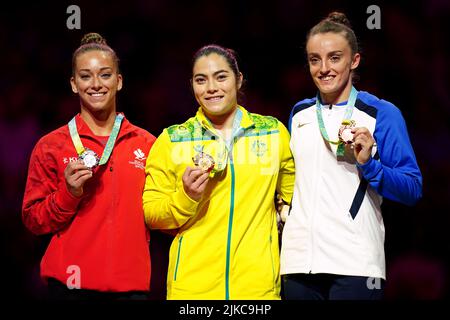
x,y
226,246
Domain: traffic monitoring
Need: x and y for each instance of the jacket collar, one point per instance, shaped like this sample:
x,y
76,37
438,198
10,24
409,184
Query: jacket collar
x,y
84,130
246,121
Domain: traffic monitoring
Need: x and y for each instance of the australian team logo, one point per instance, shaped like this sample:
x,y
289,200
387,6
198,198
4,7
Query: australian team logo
x,y
259,148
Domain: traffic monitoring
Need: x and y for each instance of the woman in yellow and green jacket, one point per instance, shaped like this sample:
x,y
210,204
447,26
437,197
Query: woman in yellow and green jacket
x,y
226,244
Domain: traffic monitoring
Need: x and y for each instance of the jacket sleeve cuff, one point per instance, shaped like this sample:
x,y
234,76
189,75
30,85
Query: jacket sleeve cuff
x,y
370,168
65,200
184,202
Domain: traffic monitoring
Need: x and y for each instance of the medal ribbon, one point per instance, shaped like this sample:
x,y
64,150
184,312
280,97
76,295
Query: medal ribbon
x,y
220,149
348,114
109,145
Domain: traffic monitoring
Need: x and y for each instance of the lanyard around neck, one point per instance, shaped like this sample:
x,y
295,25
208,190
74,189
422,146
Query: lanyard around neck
x,y
109,145
347,116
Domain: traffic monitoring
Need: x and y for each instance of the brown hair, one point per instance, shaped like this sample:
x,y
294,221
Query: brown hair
x,y
91,42
336,22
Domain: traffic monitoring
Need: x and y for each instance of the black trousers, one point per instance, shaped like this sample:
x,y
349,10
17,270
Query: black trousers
x,y
59,291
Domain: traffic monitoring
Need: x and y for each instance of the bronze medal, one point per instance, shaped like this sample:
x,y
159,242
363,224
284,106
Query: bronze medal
x,y
345,131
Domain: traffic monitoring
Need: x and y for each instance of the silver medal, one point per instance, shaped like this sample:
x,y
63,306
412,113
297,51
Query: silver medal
x,y
90,159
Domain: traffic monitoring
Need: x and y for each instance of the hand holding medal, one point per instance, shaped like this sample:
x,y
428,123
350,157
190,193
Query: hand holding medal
x,y
195,179
89,158
76,174
363,144
194,182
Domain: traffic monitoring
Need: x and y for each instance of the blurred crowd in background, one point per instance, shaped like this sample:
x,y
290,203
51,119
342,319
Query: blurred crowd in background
x,y
406,62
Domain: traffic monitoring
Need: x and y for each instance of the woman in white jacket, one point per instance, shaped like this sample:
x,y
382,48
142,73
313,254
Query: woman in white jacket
x,y
351,149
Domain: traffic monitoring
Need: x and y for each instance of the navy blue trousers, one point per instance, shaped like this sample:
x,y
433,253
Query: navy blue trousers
x,y
331,287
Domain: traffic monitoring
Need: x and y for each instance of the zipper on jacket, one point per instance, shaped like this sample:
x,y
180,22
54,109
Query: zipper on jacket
x,y
318,167
178,259
230,225
271,259
111,218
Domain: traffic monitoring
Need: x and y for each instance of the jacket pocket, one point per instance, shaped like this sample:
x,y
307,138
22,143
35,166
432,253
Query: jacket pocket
x,y
274,280
178,259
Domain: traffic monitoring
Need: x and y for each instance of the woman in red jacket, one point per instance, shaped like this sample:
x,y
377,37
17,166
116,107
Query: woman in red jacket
x,y
84,186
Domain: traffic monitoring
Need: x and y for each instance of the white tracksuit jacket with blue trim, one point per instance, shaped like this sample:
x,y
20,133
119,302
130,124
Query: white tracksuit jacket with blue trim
x,y
335,224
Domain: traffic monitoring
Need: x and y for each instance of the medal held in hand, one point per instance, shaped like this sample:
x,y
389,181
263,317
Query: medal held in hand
x,y
204,161
90,159
345,131
345,135
211,157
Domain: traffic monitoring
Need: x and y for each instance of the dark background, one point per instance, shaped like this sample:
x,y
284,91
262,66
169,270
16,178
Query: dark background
x,y
405,62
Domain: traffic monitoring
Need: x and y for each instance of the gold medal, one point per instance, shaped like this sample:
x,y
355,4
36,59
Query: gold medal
x,y
204,161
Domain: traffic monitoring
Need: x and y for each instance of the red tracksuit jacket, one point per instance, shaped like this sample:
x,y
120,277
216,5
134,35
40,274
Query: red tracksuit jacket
x,y
101,235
